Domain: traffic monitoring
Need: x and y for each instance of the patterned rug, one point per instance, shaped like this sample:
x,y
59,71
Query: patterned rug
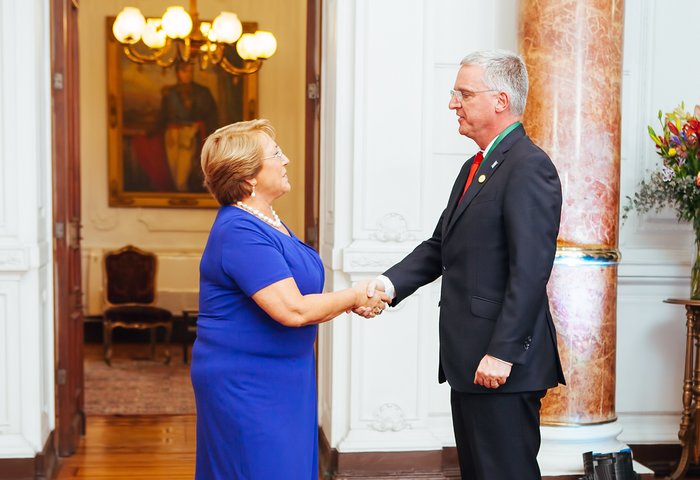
x,y
135,385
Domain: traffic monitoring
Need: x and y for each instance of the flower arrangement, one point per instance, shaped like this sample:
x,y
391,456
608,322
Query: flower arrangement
x,y
677,183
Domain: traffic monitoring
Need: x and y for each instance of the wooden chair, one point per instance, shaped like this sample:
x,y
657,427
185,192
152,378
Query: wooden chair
x,y
130,293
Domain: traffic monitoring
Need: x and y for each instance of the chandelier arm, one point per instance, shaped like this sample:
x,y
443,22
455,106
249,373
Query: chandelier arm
x,y
217,54
138,57
134,56
249,66
166,63
184,49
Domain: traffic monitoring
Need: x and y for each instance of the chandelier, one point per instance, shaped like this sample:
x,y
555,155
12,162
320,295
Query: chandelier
x,y
180,36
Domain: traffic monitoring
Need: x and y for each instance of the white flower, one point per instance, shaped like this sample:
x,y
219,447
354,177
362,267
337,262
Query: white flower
x,y
666,173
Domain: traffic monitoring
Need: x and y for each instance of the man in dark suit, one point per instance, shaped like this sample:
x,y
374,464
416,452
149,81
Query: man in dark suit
x,y
494,246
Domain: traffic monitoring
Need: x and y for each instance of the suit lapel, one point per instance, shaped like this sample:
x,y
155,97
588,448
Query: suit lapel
x,y
456,192
486,170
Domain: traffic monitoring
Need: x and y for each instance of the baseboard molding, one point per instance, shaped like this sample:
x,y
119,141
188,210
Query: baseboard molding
x,y
443,464
41,467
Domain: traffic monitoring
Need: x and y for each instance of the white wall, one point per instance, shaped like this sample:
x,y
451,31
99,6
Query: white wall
x,y
178,235
26,303
390,152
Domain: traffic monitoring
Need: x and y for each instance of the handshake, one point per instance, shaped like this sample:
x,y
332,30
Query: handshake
x,y
371,299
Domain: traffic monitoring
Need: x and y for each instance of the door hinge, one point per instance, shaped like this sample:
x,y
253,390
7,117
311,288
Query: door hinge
x,y
59,230
61,376
313,91
58,81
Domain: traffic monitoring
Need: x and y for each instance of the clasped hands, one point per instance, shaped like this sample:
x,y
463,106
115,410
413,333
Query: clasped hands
x,y
371,299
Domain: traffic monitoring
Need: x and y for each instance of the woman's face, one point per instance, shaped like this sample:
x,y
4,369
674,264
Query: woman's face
x,y
272,181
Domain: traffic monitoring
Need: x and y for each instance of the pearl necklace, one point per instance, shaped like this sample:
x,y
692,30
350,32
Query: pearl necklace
x,y
275,221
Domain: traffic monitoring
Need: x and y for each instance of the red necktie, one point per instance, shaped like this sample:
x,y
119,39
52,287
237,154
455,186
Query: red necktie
x,y
472,171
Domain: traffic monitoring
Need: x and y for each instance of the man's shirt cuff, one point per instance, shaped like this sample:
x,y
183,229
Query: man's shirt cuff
x,y
388,286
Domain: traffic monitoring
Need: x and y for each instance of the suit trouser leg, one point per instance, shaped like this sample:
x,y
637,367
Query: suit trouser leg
x,y
497,434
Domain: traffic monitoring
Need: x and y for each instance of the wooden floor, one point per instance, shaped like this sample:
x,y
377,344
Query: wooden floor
x,y
134,447
138,447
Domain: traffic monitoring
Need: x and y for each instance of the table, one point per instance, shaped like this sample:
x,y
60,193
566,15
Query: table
x,y
189,317
689,432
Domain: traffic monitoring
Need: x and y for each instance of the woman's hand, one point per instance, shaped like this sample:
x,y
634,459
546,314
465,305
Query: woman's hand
x,y
370,306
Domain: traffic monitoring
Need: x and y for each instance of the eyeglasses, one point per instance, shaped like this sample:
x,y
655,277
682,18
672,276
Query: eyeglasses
x,y
467,95
277,154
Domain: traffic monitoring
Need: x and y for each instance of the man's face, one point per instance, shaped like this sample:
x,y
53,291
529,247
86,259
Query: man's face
x,y
477,108
185,73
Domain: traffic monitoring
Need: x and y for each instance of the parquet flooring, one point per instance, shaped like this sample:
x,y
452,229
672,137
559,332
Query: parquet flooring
x,y
134,447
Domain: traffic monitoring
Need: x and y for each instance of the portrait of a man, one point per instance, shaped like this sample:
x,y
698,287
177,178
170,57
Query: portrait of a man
x,y
158,121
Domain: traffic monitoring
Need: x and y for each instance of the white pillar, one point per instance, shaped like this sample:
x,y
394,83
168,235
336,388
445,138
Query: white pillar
x,y
26,303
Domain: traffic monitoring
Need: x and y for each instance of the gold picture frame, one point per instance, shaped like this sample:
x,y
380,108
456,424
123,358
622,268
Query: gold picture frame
x,y
157,120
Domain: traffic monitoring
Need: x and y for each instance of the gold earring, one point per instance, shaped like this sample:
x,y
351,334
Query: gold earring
x,y
253,192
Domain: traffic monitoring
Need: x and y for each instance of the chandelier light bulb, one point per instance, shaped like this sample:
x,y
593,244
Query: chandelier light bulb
x,y
247,47
227,27
266,43
153,34
177,23
129,25
207,31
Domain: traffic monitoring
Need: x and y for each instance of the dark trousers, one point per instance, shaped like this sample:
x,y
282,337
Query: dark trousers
x,y
497,435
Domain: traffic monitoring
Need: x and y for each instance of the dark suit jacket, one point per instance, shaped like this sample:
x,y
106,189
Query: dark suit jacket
x,y
495,252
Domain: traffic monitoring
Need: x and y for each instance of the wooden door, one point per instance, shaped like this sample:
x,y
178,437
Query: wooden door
x,y
70,421
313,121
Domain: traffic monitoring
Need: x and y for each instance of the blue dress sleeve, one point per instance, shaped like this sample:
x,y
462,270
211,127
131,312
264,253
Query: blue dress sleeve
x,y
251,258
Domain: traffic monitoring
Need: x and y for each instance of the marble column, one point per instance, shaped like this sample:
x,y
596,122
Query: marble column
x,y
573,51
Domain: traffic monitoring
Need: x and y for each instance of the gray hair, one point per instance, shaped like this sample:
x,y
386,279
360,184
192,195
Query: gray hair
x,y
503,71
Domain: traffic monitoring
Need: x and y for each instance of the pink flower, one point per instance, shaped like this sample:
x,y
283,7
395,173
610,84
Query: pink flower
x,y
697,180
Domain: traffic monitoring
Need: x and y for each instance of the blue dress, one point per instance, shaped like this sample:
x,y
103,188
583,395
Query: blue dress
x,y
254,379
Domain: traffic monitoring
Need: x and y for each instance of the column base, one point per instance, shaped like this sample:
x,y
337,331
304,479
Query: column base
x,y
562,449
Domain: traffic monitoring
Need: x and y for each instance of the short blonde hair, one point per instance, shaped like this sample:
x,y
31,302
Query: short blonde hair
x,y
230,156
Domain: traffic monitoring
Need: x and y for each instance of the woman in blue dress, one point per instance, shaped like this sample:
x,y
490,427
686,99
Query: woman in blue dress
x,y
260,299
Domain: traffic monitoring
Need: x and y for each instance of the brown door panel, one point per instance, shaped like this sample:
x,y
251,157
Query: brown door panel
x,y
68,310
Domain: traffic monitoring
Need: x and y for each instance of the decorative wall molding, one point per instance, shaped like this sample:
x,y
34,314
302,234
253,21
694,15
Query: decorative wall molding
x,y
4,363
9,110
389,417
373,257
173,222
40,466
649,428
14,260
104,219
392,227
361,439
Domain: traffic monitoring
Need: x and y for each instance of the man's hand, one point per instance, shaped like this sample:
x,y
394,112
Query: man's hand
x,y
491,373
372,287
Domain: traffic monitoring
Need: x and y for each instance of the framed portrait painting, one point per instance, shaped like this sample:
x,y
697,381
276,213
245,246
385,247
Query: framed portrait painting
x,y
158,119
